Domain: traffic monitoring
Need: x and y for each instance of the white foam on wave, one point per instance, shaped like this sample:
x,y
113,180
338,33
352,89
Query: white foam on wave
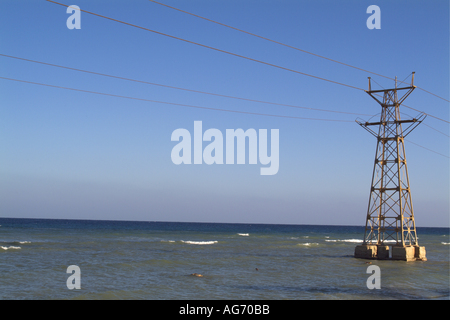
x,y
11,247
243,234
345,240
199,242
308,244
167,240
15,242
357,240
445,242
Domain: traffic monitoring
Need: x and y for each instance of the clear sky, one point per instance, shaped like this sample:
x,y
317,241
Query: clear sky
x,y
77,155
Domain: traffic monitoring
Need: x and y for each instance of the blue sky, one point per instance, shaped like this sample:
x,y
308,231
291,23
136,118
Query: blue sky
x,y
75,155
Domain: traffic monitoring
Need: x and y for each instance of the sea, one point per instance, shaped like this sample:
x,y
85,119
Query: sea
x,y
133,260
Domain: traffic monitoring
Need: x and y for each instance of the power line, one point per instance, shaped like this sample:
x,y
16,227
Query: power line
x,y
436,130
425,113
227,52
192,106
209,93
289,46
171,103
204,92
178,88
427,149
213,48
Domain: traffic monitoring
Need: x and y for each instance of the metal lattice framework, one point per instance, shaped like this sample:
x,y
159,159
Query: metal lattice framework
x,y
390,215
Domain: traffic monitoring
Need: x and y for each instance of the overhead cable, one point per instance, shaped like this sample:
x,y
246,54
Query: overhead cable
x,y
170,103
212,48
179,88
289,46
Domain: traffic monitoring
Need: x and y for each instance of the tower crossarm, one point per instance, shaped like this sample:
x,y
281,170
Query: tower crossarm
x,y
386,122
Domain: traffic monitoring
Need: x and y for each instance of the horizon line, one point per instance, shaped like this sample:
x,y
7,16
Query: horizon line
x,y
202,222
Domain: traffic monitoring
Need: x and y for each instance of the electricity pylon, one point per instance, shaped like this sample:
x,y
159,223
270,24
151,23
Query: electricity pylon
x,y
390,215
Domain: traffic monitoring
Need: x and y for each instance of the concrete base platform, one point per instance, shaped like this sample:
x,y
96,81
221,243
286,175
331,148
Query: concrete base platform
x,y
382,252
420,254
366,251
403,253
411,253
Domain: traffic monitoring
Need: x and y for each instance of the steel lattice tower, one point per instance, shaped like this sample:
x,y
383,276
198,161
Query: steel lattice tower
x,y
390,214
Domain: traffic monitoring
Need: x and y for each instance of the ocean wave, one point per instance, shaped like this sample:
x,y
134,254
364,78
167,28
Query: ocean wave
x,y
357,240
308,244
13,243
445,242
345,240
191,242
243,234
10,247
199,242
